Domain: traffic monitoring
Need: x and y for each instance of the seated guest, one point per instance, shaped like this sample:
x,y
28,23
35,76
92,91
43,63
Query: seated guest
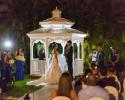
x,y
65,87
92,90
87,71
94,70
112,73
106,81
78,86
124,85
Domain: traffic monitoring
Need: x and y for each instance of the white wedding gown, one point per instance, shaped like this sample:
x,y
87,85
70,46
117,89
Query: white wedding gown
x,y
52,75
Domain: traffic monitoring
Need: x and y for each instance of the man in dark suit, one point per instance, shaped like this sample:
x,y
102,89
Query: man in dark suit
x,y
100,58
69,56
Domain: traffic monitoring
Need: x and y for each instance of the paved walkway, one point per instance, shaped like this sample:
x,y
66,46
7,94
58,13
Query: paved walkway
x,y
42,94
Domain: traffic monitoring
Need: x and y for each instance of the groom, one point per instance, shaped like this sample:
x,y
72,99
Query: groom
x,y
69,56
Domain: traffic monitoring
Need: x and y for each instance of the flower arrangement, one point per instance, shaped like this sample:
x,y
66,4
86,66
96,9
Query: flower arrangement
x,y
11,61
20,58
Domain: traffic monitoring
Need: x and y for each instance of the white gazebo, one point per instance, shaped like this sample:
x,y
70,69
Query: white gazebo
x,y
55,29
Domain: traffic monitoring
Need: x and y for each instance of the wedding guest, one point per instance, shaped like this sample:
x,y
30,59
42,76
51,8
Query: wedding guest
x,y
100,58
78,85
112,73
92,90
93,56
5,72
20,60
65,87
114,57
105,80
94,69
0,66
11,62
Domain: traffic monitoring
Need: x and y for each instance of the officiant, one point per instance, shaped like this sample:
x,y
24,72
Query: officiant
x,y
42,54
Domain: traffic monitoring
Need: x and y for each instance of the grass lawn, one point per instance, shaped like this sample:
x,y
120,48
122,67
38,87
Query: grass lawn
x,y
20,88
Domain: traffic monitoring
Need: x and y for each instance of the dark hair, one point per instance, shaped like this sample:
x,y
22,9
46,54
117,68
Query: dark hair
x,y
78,86
111,69
18,51
93,65
54,45
3,56
91,79
87,71
69,41
65,85
103,71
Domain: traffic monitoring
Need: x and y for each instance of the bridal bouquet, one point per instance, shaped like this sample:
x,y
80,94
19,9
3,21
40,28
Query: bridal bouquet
x,y
20,58
11,61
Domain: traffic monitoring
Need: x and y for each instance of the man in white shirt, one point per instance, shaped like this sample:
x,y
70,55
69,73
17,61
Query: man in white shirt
x,y
93,56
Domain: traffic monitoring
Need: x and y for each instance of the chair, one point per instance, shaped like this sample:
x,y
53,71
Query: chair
x,y
124,85
112,91
116,79
61,98
96,98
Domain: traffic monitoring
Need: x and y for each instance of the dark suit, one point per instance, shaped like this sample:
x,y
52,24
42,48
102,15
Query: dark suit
x,y
69,58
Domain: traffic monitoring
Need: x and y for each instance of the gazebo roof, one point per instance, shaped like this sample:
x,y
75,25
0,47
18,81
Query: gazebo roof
x,y
60,31
56,26
62,34
56,19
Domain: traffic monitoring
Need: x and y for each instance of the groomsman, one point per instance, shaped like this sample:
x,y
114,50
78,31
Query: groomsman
x,y
100,58
69,56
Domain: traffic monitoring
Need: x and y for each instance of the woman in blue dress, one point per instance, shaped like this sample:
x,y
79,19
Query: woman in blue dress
x,y
6,74
20,64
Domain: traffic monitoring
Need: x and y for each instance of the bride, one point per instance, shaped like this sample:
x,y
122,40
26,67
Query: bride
x,y
53,73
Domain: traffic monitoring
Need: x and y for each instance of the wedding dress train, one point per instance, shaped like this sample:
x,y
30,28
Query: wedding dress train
x,y
52,75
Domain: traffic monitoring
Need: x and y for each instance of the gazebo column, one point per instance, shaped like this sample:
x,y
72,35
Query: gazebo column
x,y
82,44
63,45
31,54
78,49
46,54
31,49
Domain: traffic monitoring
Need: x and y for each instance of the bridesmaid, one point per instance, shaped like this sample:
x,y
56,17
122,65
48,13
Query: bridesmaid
x,y
20,60
5,72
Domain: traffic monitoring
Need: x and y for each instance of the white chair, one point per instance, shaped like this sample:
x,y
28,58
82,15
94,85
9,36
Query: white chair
x,y
124,84
116,79
112,91
96,98
61,98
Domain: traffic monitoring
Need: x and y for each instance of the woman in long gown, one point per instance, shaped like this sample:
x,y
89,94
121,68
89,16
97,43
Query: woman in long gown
x,y
20,64
6,75
53,73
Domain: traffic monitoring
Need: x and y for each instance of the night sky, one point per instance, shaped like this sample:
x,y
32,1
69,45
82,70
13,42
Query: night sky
x,y
17,17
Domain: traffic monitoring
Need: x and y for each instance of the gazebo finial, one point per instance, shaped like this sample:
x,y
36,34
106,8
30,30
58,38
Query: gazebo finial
x,y
56,12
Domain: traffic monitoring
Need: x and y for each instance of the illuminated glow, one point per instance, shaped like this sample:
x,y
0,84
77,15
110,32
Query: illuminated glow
x,y
8,44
